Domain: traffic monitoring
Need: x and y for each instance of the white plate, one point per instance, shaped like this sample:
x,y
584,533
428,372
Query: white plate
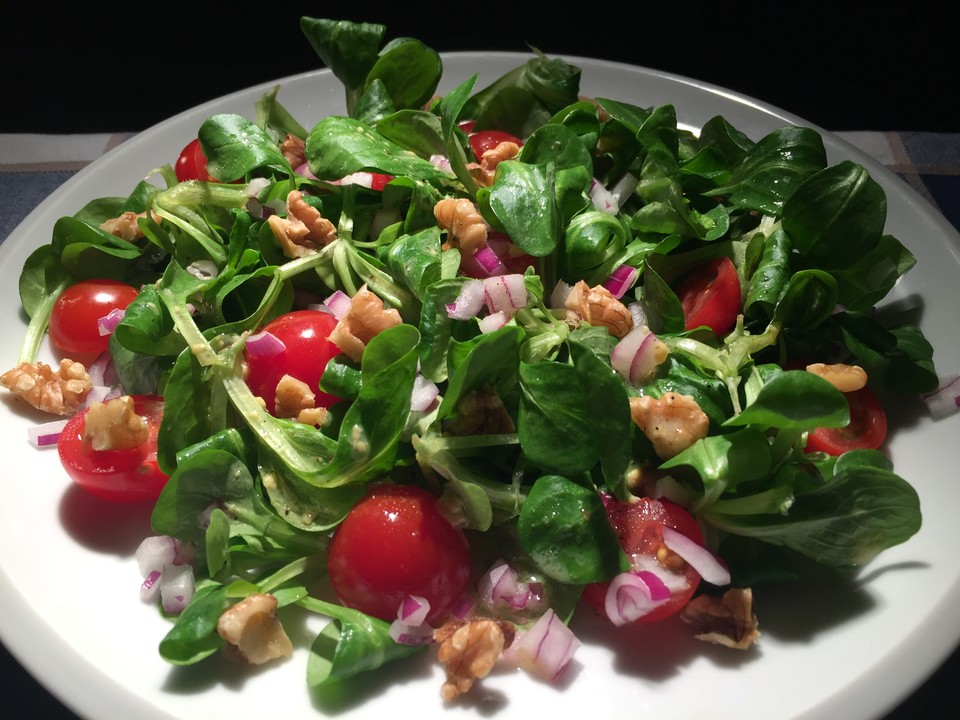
x,y
68,580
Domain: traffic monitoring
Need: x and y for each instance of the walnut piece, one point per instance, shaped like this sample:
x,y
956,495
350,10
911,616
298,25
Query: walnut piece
x,y
727,620
597,306
253,628
294,150
303,230
672,422
845,378
364,319
486,171
293,395
468,650
61,392
114,425
124,226
465,227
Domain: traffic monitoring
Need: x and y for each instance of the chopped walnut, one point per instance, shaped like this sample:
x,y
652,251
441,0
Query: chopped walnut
x,y
316,416
481,412
124,226
465,227
845,378
468,650
485,172
727,620
61,392
294,150
292,397
597,306
253,628
114,425
602,114
672,422
303,229
365,318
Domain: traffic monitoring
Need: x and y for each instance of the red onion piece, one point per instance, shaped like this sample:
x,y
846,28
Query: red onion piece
x,y
361,178
945,400
413,610
108,323
151,586
638,313
45,434
176,587
441,162
492,322
500,585
463,607
633,356
155,553
545,649
424,393
621,280
603,200
625,187
698,557
264,345
632,595
338,302
405,634
468,303
305,171
506,293
489,262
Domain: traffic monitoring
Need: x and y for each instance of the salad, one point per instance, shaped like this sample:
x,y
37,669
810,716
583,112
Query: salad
x,y
448,370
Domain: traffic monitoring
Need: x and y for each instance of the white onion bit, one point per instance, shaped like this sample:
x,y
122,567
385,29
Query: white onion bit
x,y
945,400
698,557
264,344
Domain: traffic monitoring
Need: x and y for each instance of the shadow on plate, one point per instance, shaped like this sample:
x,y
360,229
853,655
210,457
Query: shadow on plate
x,y
104,526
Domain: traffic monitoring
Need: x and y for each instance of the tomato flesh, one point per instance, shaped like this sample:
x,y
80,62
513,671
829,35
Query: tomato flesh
x,y
866,430
710,295
394,543
74,327
639,527
484,140
116,475
192,164
305,335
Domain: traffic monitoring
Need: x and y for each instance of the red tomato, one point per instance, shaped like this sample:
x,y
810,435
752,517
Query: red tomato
x,y
305,333
867,428
394,543
192,164
73,321
116,475
379,180
710,295
484,140
639,526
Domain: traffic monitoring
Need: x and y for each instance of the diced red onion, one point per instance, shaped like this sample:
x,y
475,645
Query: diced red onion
x,y
545,649
625,187
362,178
603,199
621,280
405,634
489,262
256,186
638,313
494,321
304,170
108,323
500,585
468,303
633,356
203,269
150,587
97,393
507,293
707,565
154,553
46,434
264,344
338,302
177,586
463,607
413,610
632,595
441,162
945,400
424,393
558,298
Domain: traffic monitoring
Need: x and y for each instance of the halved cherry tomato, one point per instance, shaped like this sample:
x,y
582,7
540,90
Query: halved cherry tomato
x,y
192,164
710,295
74,327
639,527
394,543
116,475
867,428
305,333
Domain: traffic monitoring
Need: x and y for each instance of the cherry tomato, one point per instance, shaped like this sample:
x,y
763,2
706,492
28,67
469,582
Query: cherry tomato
x,y
378,181
710,295
484,140
305,333
116,475
867,428
394,543
73,320
639,527
192,164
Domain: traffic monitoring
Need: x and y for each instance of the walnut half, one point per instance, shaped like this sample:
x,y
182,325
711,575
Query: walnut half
x,y
468,650
61,392
727,620
253,628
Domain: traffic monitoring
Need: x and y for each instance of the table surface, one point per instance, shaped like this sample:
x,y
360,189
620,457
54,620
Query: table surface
x,y
32,166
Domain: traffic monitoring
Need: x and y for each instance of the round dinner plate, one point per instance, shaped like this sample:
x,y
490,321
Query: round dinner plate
x,y
69,607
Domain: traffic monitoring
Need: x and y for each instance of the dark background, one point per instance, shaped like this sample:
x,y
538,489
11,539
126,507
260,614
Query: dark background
x,y
843,66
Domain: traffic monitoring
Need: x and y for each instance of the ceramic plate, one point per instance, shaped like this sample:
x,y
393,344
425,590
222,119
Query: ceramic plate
x,y
69,607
